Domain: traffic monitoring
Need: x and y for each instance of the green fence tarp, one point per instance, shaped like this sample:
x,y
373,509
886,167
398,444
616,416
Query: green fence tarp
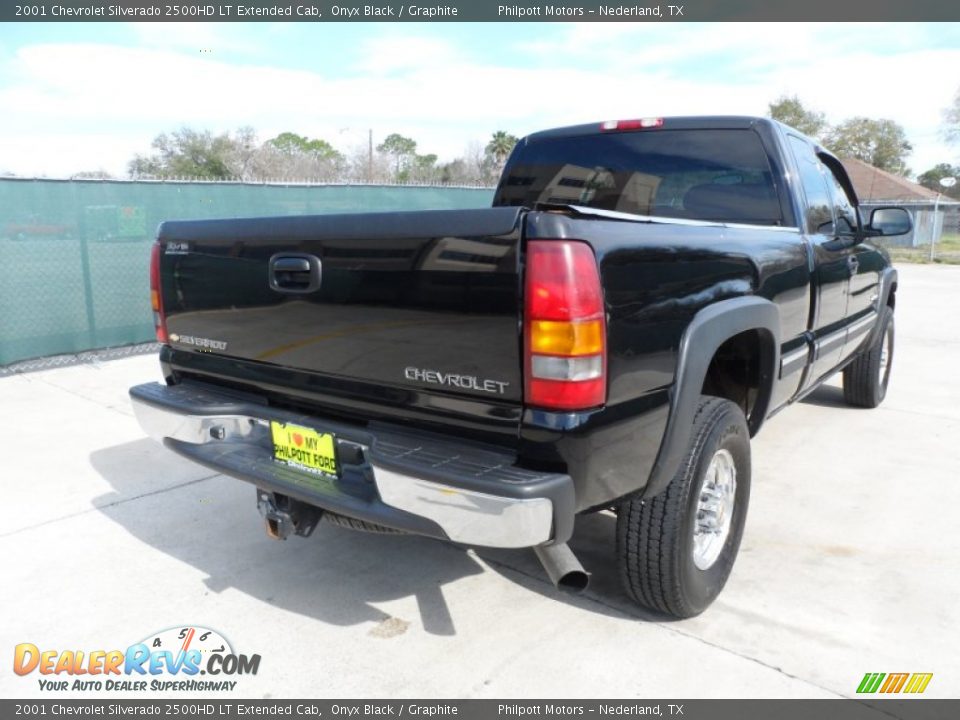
x,y
74,254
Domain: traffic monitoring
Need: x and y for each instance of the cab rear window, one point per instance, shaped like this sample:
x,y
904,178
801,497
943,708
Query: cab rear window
x,y
714,175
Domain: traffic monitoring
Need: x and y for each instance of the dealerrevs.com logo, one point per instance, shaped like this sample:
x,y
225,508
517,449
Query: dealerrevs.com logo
x,y
176,659
894,682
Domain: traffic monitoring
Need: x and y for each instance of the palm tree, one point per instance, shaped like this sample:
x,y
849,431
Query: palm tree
x,y
500,145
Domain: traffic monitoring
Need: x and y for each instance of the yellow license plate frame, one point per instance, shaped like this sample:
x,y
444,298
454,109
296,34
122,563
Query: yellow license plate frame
x,y
304,448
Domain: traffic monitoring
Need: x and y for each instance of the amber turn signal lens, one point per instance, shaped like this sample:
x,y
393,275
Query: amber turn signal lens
x,y
555,337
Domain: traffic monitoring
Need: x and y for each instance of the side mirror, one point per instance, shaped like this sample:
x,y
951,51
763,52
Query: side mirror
x,y
888,221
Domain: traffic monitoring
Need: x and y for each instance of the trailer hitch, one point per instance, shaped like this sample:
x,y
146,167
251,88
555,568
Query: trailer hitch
x,y
284,515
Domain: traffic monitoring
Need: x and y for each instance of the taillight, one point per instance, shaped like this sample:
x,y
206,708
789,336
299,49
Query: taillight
x,y
156,298
565,343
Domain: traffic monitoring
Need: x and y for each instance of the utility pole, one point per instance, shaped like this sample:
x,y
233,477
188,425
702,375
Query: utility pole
x,y
933,230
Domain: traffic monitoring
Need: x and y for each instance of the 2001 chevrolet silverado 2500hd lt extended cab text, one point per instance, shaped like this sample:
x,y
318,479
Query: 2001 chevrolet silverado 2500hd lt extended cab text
x,y
610,335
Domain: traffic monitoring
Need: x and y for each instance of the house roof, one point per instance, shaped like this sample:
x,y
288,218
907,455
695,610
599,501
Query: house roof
x,y
873,184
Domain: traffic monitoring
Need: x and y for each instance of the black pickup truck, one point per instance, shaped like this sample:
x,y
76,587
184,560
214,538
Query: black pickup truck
x,y
608,336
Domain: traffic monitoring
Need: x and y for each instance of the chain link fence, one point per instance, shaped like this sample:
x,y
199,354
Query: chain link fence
x,y
88,357
946,246
74,254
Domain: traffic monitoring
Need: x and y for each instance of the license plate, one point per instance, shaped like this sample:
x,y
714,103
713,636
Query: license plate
x,y
304,449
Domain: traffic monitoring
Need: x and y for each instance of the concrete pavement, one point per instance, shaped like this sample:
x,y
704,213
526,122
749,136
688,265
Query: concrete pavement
x,y
849,563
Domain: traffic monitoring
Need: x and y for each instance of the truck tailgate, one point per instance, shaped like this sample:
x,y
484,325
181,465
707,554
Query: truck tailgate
x,y
426,301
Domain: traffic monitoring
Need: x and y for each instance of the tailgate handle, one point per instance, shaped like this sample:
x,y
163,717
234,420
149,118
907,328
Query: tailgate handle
x,y
294,273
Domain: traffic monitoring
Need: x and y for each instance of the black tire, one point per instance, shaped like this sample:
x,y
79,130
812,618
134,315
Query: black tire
x,y
865,380
655,536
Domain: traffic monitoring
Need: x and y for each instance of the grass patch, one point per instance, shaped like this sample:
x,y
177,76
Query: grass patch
x,y
945,252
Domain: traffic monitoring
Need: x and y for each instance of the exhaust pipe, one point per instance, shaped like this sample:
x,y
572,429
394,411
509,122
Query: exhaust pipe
x,y
563,568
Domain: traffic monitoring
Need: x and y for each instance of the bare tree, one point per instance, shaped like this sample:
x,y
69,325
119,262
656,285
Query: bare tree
x,y
952,119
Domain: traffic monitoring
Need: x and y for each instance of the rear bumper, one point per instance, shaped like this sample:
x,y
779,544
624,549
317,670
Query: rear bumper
x,y
414,482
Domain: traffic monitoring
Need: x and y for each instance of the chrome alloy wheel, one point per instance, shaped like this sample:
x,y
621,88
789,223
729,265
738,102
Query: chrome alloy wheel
x,y
714,509
885,352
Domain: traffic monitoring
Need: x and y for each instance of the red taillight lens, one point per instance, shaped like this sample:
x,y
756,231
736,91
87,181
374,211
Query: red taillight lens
x,y
564,327
156,298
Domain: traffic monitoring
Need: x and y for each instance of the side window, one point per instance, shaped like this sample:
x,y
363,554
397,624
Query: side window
x,y
819,200
842,207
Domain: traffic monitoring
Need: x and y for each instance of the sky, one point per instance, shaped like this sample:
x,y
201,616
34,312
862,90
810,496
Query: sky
x,y
88,96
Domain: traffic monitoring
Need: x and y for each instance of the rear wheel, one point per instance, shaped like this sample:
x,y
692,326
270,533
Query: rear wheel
x,y
676,550
865,379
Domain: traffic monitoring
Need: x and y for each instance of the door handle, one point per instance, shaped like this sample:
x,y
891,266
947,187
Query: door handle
x,y
294,273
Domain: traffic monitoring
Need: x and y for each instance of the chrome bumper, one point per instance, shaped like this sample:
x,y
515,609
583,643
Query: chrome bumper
x,y
472,496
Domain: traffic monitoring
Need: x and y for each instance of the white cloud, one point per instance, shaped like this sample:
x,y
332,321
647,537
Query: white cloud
x,y
392,54
878,70
190,36
64,154
98,104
